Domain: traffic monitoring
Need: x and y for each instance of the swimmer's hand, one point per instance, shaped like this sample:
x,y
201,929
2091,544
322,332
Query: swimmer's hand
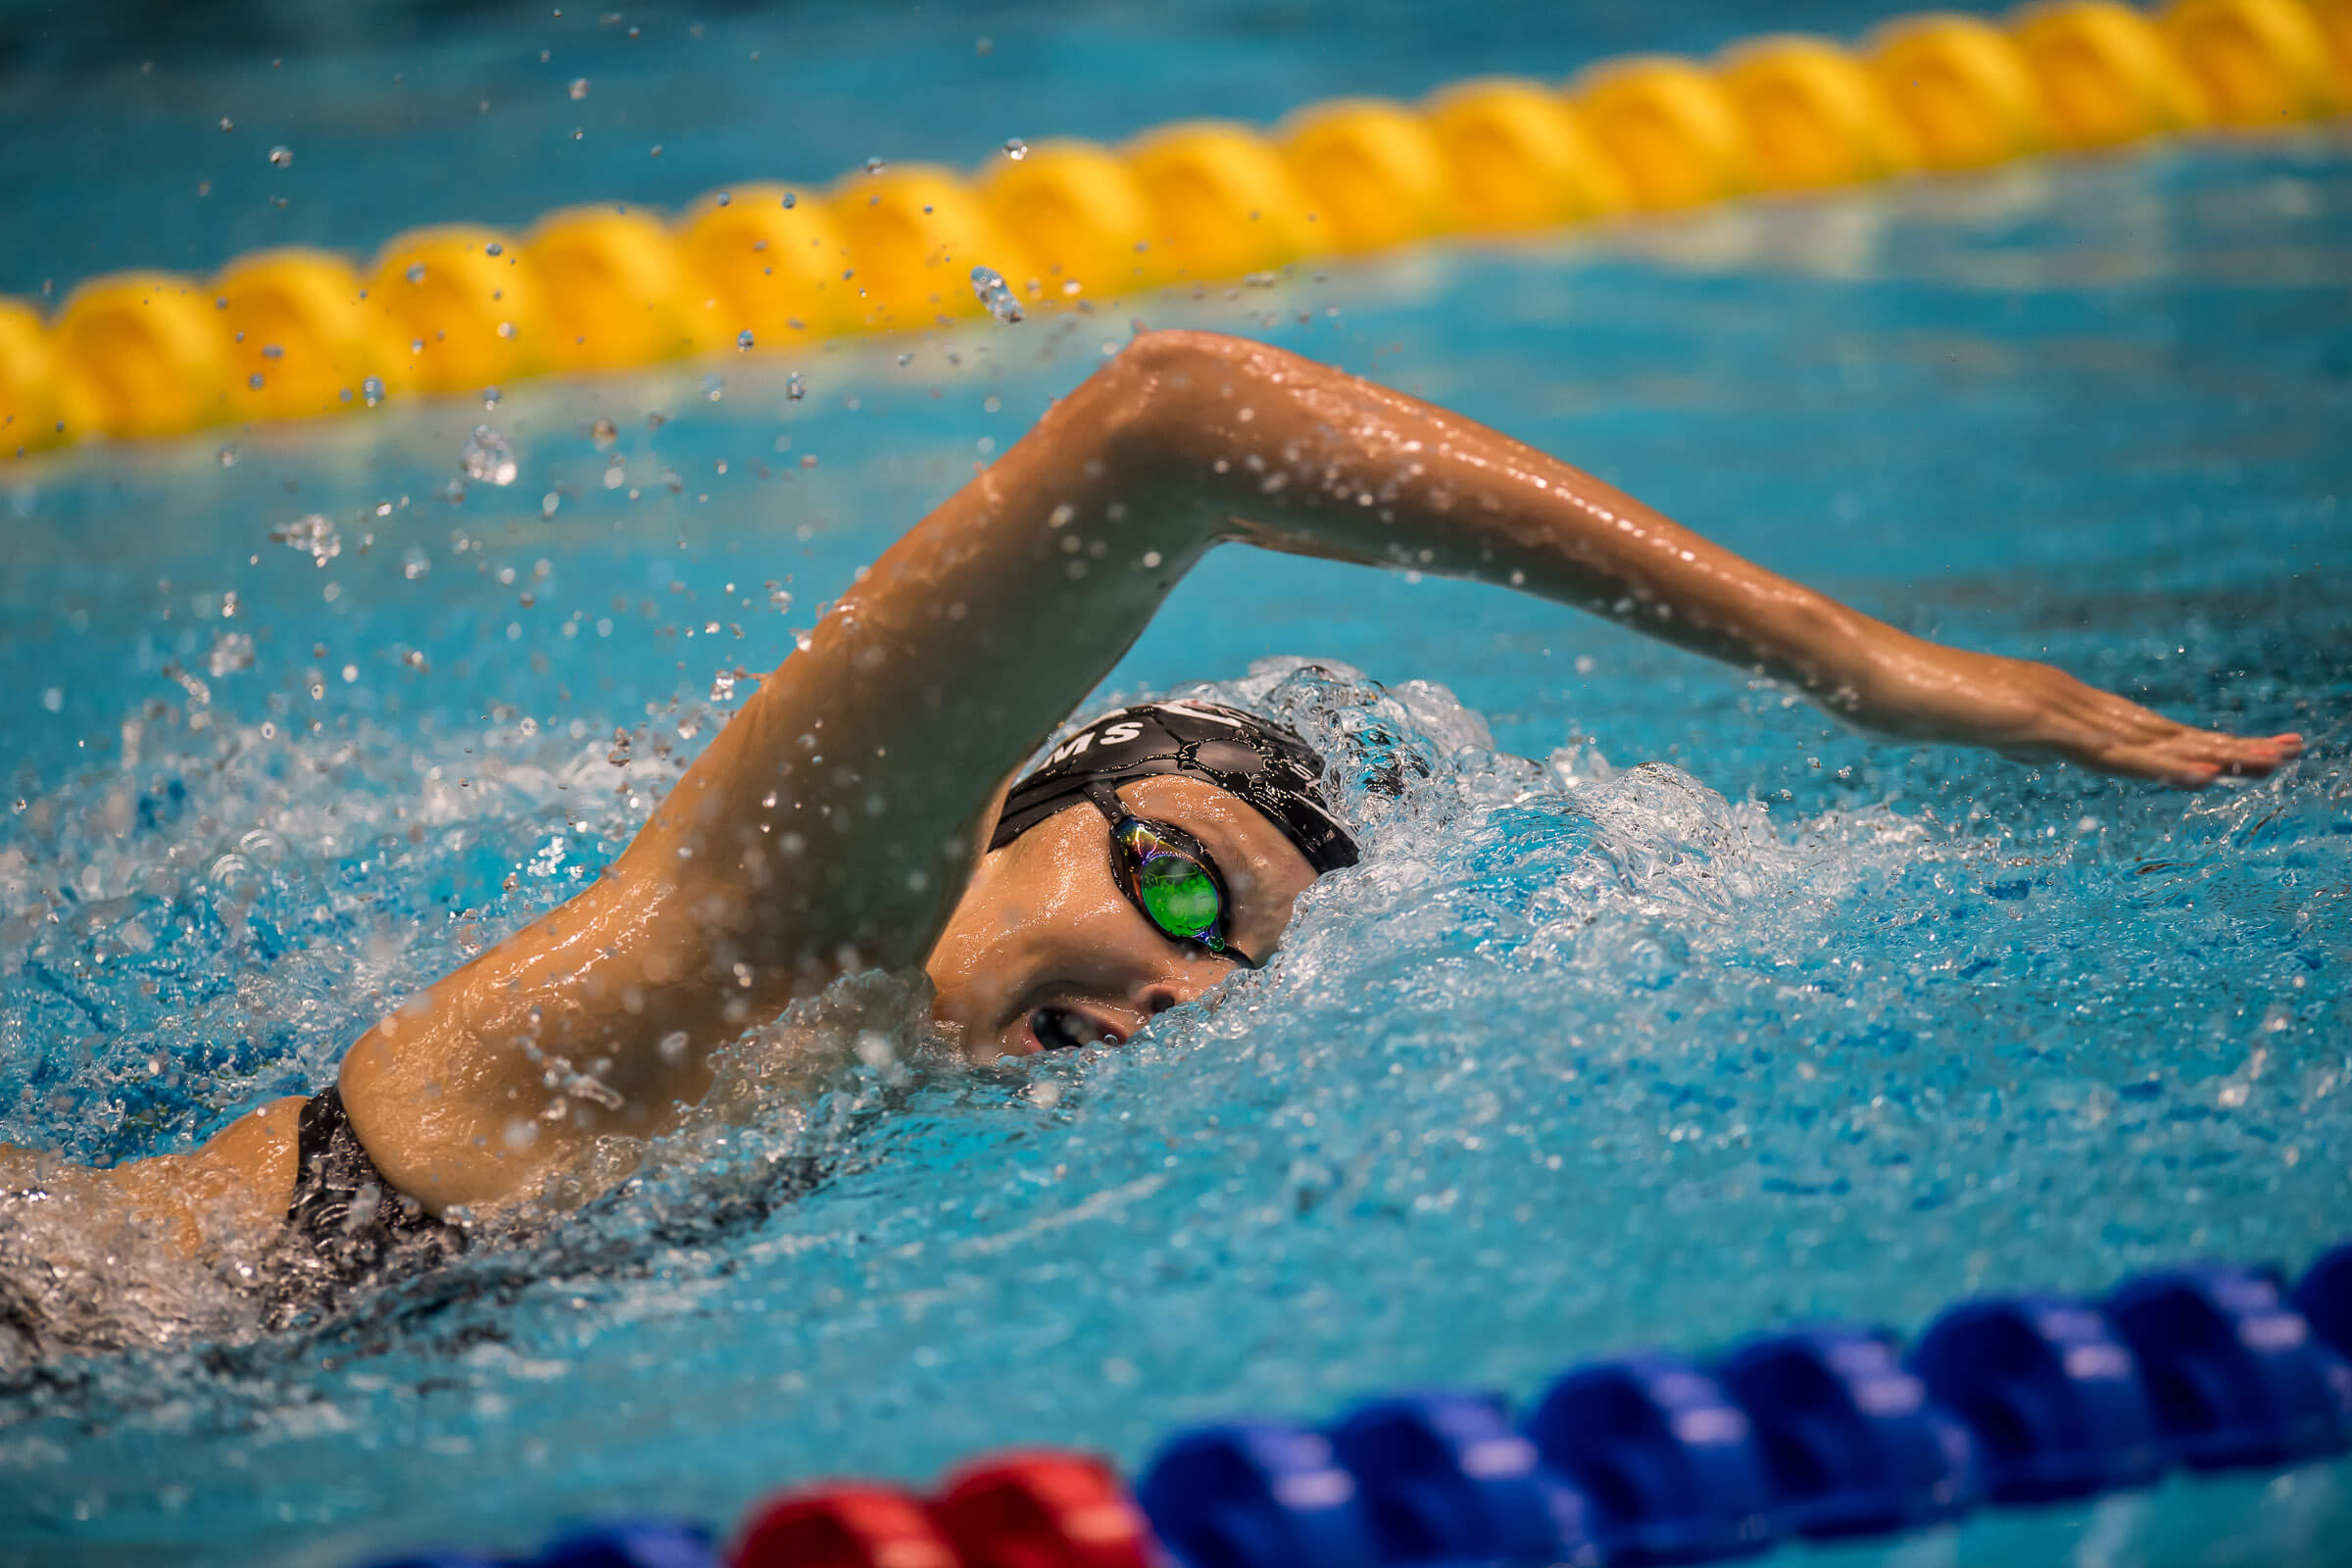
x,y
2029,710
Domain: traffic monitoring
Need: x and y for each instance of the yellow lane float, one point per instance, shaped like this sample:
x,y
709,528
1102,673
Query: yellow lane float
x,y
1223,201
913,236
769,261
301,338
2262,63
768,267
1521,158
613,289
1080,216
1964,88
459,307
2106,73
1815,115
141,353
1670,126
1374,176
27,381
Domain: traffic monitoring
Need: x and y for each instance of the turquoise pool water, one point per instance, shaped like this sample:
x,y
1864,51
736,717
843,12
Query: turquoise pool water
x,y
1711,1016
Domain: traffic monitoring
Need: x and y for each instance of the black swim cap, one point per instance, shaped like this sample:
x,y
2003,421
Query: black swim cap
x,y
1268,767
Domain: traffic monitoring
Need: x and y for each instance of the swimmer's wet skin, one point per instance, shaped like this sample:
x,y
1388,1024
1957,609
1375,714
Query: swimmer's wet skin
x,y
839,821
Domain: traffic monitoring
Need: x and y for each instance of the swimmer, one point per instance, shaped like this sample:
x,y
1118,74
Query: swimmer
x,y
854,813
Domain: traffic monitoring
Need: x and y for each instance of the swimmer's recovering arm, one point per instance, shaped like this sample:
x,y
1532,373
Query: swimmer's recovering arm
x,y
835,820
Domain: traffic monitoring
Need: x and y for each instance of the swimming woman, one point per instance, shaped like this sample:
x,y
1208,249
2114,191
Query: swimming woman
x,y
854,813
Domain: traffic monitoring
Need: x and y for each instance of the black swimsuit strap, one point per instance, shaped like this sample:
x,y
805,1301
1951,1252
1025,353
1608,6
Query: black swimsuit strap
x,y
347,1224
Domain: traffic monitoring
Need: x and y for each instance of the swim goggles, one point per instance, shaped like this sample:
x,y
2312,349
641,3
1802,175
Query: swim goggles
x,y
1168,875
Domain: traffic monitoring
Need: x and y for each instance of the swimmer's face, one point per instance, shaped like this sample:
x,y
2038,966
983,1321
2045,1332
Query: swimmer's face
x,y
1045,951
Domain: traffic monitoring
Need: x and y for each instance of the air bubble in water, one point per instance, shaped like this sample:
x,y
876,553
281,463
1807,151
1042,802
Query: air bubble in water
x,y
415,562
794,387
604,433
875,166
722,686
1016,148
491,395
372,390
713,388
494,248
232,651
579,88
779,597
989,287
281,157
229,456
313,536
791,200
489,457
416,272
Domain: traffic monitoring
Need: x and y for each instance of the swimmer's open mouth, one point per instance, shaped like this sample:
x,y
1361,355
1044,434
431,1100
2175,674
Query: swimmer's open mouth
x,y
1058,1028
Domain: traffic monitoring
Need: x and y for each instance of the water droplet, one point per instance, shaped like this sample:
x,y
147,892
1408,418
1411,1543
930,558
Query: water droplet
x,y
491,395
875,166
415,562
722,686
313,536
488,457
254,380
779,597
791,200
604,434
415,659
227,124
794,387
904,359
988,287
579,88
282,157
1016,148
494,248
372,390
713,388
229,456
726,200
743,339
416,272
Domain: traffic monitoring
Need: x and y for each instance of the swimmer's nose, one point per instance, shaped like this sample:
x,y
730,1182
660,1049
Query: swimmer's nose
x,y
1160,996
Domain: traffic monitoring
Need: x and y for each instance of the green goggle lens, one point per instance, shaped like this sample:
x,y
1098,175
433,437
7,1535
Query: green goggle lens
x,y
1179,897
1170,878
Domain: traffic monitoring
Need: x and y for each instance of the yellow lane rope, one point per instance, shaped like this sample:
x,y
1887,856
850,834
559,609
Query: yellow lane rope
x,y
452,309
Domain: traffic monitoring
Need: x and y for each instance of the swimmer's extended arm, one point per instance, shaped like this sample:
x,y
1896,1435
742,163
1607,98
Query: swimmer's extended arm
x,y
832,823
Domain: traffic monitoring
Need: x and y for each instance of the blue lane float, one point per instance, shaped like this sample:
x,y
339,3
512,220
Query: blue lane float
x,y
1852,1442
1256,1495
2235,1374
1445,1478
2052,1398
1669,1462
1820,1432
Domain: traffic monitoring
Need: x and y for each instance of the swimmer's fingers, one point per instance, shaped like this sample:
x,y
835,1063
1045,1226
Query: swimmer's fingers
x,y
2100,730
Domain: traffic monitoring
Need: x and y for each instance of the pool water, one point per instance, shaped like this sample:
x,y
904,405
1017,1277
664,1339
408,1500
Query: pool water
x,y
1661,1009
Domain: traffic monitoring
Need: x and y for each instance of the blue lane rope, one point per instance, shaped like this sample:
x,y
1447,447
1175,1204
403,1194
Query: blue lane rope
x,y
1817,1433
